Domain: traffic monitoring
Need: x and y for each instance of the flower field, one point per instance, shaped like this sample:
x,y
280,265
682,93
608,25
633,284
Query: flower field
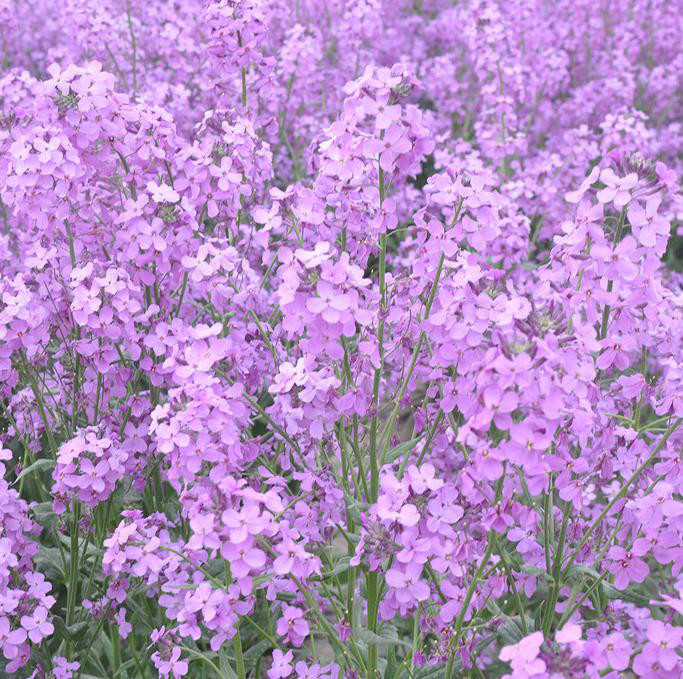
x,y
341,339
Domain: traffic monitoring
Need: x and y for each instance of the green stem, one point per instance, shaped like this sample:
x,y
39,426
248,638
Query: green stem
x,y
386,437
134,47
73,567
572,607
518,601
100,623
265,337
425,448
374,465
98,397
490,541
373,606
416,638
138,664
579,281
243,74
468,597
622,491
503,129
41,404
557,572
203,657
183,287
548,519
610,283
116,648
372,585
237,641
389,429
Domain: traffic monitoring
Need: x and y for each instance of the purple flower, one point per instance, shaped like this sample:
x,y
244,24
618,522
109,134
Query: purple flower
x,y
10,640
293,625
664,640
617,189
627,566
576,196
172,665
523,656
617,650
407,582
394,143
281,666
63,669
647,224
37,625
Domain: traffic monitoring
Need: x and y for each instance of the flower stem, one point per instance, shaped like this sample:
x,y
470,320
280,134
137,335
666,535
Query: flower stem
x,y
622,491
243,74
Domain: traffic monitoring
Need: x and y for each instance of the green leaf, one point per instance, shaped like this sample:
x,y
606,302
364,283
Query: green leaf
x,y
224,662
44,514
509,632
392,664
430,672
260,579
533,570
49,562
481,646
402,449
612,592
37,466
252,655
341,565
74,631
387,635
578,570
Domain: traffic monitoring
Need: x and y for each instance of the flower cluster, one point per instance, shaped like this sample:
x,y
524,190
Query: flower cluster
x,y
88,468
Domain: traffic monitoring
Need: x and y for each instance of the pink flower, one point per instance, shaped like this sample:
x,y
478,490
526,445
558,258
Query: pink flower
x,y
293,625
423,478
617,262
617,189
526,536
330,303
316,671
10,640
414,548
489,463
394,144
62,669
162,193
173,665
647,225
227,177
281,666
37,625
244,559
523,656
646,665
617,650
385,114
665,640
248,521
576,196
626,567
616,351
407,583
569,633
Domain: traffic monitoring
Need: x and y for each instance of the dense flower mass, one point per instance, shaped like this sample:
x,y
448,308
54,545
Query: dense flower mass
x,y
341,339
